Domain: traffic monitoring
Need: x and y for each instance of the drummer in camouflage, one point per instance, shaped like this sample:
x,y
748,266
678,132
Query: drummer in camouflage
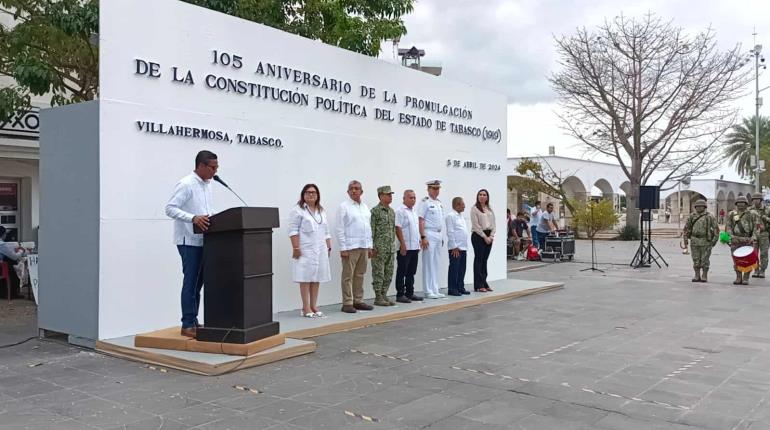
x,y
763,237
742,226
702,231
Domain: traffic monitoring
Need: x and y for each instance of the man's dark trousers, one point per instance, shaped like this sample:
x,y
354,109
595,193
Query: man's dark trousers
x,y
456,273
405,270
192,268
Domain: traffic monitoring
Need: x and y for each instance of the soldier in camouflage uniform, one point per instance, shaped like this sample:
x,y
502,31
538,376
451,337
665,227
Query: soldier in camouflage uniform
x,y
702,231
384,253
742,226
763,239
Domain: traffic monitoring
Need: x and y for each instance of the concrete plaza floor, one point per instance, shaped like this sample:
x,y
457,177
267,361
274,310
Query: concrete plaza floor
x,y
624,349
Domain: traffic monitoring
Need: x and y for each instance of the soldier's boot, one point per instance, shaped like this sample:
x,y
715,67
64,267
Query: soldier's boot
x,y
704,277
697,277
756,274
746,277
390,301
738,278
761,274
379,300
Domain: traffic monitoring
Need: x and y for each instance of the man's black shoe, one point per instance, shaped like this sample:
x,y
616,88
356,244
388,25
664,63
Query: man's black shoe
x,y
455,293
415,298
403,299
465,292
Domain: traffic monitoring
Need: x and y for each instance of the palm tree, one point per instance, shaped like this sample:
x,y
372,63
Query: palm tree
x,y
740,143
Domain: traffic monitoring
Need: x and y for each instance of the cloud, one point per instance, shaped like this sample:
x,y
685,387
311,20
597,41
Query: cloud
x,y
507,46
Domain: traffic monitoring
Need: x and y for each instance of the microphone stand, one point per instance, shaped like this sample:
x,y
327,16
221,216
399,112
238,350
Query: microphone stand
x,y
216,178
236,195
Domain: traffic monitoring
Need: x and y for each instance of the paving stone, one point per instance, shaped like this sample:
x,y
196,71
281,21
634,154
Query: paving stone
x,y
285,410
102,413
154,423
710,420
460,423
203,413
626,330
495,412
240,421
427,410
574,413
246,401
537,422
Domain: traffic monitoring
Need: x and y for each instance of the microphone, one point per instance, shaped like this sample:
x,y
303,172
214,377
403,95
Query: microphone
x,y
218,179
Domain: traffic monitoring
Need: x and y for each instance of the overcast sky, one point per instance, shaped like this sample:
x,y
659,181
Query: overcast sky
x,y
507,46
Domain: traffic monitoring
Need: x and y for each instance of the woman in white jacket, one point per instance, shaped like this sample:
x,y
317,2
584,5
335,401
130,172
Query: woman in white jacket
x,y
311,245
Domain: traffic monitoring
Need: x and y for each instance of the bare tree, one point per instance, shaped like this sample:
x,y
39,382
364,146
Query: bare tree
x,y
655,99
538,175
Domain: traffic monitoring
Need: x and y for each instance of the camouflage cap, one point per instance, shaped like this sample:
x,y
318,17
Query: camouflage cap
x,y
700,202
756,196
741,199
385,189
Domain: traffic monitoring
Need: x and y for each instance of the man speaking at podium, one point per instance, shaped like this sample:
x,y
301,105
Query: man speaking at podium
x,y
191,204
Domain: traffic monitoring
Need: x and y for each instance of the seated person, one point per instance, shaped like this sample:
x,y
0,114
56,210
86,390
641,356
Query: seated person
x,y
11,253
521,236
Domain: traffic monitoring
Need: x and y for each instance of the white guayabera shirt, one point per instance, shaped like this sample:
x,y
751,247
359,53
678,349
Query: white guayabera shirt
x,y
192,196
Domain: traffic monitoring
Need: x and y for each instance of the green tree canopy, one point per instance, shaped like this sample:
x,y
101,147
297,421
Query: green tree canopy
x,y
541,177
48,51
593,217
51,47
356,25
739,143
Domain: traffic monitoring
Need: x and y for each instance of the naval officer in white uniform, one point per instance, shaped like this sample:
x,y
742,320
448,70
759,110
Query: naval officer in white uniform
x,y
431,213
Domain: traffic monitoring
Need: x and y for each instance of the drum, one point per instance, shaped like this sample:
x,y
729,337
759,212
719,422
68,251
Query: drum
x,y
745,258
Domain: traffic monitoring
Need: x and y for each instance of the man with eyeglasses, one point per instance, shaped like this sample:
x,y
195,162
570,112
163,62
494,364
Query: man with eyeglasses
x,y
191,205
354,234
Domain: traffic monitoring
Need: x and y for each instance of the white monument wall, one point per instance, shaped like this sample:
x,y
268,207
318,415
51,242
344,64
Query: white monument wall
x,y
140,271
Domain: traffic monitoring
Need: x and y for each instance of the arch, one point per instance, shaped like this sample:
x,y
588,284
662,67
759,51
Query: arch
x,y
574,188
625,187
721,205
730,200
695,196
604,186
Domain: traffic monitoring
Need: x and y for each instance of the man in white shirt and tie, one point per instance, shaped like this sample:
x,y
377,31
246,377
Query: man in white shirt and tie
x,y
191,205
457,243
408,234
354,233
431,213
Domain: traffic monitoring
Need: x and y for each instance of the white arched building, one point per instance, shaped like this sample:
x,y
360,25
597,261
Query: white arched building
x,y
582,179
592,179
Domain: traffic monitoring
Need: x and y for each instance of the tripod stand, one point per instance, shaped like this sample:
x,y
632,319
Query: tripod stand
x,y
593,267
644,256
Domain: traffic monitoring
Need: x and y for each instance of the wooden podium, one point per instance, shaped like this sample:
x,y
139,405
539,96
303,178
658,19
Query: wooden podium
x,y
238,276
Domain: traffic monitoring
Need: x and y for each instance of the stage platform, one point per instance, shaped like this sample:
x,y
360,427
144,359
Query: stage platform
x,y
202,363
298,327
170,338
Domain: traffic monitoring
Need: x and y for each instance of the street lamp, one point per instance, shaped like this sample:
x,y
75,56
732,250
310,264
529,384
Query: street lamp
x,y
758,58
686,182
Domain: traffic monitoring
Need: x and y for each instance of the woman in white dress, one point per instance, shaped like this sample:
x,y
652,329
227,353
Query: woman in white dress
x,y
311,246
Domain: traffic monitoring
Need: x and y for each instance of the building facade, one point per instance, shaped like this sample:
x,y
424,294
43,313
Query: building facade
x,y
584,179
19,167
